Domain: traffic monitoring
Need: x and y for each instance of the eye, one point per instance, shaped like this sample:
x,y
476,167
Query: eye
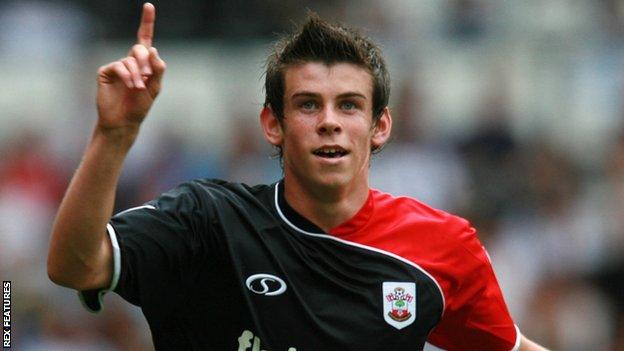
x,y
309,105
347,105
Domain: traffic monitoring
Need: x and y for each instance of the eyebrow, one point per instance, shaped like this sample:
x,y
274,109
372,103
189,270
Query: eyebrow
x,y
348,94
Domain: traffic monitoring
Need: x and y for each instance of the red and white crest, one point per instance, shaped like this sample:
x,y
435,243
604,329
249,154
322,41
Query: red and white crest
x,y
399,299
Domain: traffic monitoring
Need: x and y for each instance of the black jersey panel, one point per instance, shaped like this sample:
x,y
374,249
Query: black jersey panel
x,y
160,250
176,266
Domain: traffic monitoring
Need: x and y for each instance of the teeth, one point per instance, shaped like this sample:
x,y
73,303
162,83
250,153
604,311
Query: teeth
x,y
329,151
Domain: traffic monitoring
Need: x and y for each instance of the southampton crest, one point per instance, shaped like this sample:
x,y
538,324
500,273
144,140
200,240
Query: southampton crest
x,y
399,299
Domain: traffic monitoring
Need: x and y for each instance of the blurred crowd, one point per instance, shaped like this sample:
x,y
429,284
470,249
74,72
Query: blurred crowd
x,y
508,113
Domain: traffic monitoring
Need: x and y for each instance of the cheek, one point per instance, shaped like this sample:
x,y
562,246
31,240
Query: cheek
x,y
364,135
301,128
295,136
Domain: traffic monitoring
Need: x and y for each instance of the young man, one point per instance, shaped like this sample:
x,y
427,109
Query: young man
x,y
317,261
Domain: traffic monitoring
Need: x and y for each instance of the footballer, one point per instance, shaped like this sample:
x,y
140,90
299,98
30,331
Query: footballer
x,y
316,261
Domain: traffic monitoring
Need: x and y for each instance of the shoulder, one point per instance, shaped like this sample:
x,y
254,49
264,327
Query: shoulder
x,y
427,229
217,189
444,244
207,196
409,211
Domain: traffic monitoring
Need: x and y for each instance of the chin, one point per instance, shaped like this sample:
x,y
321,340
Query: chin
x,y
332,181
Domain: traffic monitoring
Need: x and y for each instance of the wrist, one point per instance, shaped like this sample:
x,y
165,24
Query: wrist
x,y
120,138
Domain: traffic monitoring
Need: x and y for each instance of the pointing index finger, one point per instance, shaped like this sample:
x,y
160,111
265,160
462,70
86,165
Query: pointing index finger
x,y
146,28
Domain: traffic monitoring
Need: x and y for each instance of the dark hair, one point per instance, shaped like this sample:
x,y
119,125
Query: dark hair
x,y
321,41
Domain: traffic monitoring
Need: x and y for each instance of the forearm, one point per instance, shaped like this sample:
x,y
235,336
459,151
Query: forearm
x,y
78,245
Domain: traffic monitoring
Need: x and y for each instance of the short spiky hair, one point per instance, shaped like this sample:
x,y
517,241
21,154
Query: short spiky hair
x,y
320,41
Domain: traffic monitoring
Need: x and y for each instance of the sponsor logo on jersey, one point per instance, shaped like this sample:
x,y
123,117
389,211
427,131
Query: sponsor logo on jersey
x,y
245,342
265,284
399,301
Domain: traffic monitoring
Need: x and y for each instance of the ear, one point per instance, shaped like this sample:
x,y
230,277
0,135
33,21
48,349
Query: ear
x,y
381,132
271,127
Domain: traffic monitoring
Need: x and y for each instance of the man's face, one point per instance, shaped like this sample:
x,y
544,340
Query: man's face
x,y
327,131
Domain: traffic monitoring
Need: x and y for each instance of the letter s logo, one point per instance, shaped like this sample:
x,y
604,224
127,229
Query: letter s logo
x,y
265,284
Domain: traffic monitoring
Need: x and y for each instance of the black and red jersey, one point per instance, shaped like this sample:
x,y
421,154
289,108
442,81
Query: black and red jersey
x,y
224,266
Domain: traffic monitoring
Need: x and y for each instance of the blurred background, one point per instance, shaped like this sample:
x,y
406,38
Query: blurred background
x,y
509,113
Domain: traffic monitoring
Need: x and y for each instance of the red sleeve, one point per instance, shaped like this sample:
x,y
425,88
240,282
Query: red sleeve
x,y
475,315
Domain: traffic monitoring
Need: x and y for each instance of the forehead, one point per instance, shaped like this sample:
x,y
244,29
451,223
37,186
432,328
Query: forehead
x,y
327,80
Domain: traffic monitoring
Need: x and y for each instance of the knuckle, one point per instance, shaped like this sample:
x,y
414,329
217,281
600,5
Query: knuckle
x,y
120,68
130,61
139,49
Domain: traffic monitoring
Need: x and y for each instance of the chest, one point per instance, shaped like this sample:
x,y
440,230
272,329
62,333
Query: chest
x,y
290,291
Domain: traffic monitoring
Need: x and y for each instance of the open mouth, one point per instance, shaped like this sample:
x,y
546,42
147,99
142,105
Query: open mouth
x,y
330,152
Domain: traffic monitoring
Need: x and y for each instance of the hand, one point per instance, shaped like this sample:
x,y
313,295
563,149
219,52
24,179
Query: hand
x,y
127,87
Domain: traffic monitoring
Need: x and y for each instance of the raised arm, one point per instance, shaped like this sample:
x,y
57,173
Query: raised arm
x,y
80,252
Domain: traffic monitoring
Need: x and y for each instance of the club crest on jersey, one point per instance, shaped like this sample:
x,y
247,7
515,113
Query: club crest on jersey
x,y
399,301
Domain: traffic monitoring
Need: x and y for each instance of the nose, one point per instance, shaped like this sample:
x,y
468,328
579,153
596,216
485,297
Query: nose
x,y
328,122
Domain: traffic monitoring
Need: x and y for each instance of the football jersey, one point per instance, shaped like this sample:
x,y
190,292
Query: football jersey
x,y
225,266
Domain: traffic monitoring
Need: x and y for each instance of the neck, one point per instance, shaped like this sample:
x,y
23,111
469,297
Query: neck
x,y
327,207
